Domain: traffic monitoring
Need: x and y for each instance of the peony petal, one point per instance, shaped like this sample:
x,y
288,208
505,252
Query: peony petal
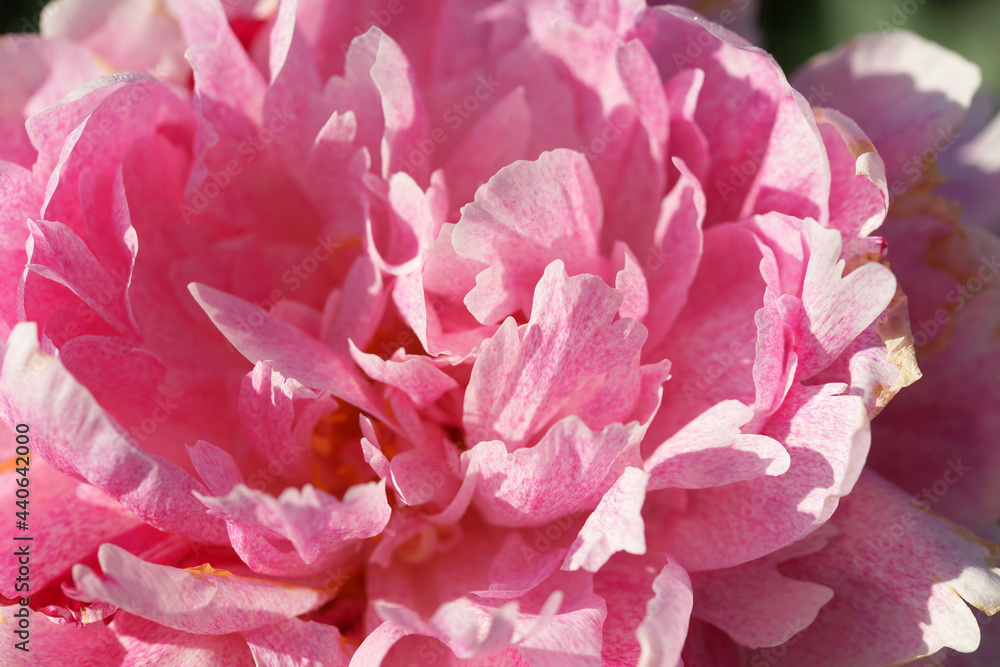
x,y
93,645
899,576
615,525
565,472
78,438
296,642
311,519
529,214
200,600
710,451
930,88
293,353
146,643
649,605
522,380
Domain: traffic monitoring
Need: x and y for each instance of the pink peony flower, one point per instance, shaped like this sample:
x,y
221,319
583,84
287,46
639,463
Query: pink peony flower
x,y
527,332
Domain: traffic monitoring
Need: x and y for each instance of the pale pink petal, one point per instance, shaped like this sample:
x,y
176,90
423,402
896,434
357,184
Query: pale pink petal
x,y
148,643
125,34
565,472
711,451
200,600
78,438
673,260
755,603
359,307
649,606
55,252
827,437
296,642
529,214
430,300
498,138
40,72
630,281
901,579
929,86
311,519
836,309
859,194
755,155
260,336
523,379
614,525
422,381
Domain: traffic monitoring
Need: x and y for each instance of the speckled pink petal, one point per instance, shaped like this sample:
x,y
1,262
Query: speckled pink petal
x,y
558,624
311,519
146,643
430,300
827,437
422,381
78,438
930,87
260,336
614,525
672,262
93,645
56,253
268,414
757,155
199,600
711,451
859,194
20,199
755,603
529,214
297,642
396,240
836,309
649,602
522,379
565,472
901,579
712,344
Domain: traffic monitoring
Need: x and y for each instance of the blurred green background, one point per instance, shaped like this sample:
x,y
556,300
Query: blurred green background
x,y
797,29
